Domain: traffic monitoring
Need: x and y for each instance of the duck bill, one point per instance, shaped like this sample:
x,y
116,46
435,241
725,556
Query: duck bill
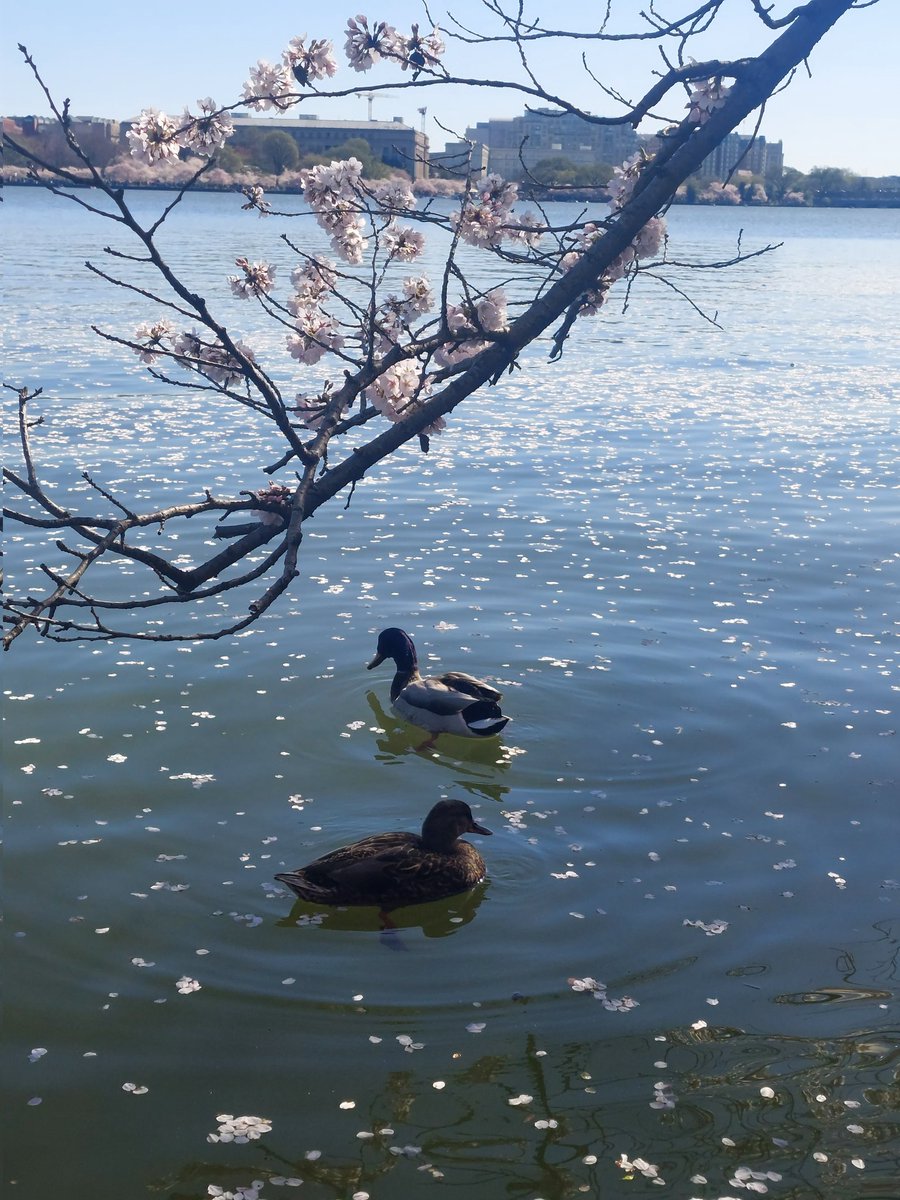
x,y
376,661
476,828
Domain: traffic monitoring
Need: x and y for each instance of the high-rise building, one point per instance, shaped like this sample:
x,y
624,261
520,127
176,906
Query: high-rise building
x,y
516,145
741,152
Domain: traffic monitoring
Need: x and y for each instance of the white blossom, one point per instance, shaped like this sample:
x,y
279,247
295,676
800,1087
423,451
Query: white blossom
x,y
269,86
418,51
239,1129
402,243
312,280
364,46
258,279
649,240
706,97
396,393
317,332
154,137
210,359
394,195
308,62
207,133
418,295
151,337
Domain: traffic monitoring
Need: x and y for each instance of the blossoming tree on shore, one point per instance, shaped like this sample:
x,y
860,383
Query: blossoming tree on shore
x,y
376,352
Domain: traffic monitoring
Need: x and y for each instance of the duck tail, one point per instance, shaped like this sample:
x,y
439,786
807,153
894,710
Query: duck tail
x,y
302,886
484,718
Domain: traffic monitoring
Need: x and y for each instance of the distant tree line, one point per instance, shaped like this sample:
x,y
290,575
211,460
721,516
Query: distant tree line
x,y
556,177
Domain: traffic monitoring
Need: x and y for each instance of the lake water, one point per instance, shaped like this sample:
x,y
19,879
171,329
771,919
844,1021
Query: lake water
x,y
677,552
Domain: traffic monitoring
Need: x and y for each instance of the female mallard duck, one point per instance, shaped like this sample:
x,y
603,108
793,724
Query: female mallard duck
x,y
450,703
392,869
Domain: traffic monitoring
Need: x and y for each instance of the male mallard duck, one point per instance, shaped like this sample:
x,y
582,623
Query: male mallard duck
x,y
392,869
450,703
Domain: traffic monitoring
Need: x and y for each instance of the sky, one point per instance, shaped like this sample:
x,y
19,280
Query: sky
x,y
114,60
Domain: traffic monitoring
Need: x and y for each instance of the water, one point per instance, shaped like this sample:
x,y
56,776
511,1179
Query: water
x,y
676,552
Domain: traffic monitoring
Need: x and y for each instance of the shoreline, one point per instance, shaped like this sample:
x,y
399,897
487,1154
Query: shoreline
x,y
591,196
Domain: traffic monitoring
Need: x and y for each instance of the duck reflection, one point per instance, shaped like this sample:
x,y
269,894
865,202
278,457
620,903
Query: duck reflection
x,y
397,740
438,918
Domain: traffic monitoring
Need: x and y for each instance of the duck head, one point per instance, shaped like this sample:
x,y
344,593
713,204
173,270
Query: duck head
x,y
398,645
447,821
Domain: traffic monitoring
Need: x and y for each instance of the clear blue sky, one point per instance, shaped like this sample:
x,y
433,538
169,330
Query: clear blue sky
x,y
113,60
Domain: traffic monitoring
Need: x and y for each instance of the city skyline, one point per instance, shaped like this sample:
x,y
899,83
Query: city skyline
x,y
840,116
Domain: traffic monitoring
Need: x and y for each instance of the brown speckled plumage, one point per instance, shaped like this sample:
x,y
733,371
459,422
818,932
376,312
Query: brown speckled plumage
x,y
393,869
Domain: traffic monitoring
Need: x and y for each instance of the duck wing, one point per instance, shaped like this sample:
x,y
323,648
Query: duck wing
x,y
380,873
435,696
468,685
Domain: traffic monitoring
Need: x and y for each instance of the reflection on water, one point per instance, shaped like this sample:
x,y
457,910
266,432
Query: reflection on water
x,y
438,918
678,548
738,1108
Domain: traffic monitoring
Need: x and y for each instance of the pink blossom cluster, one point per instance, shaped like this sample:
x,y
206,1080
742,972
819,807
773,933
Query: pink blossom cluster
x,y
309,62
151,337
257,279
624,178
333,192
317,331
706,97
646,244
210,359
397,313
269,86
486,214
394,195
277,495
399,390
366,45
256,198
468,325
310,410
402,243
156,137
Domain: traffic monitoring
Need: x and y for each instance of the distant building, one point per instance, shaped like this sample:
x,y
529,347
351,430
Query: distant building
x,y
393,142
740,152
518,144
459,159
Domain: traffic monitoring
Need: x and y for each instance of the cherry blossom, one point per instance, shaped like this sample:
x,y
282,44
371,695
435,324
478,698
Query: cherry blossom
x,y
211,360
310,411
419,52
258,279
269,86
396,393
364,46
485,218
527,229
313,280
256,198
649,240
316,333
706,97
418,296
277,497
206,133
154,137
325,186
394,195
402,243
490,311
151,336
315,61
624,178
